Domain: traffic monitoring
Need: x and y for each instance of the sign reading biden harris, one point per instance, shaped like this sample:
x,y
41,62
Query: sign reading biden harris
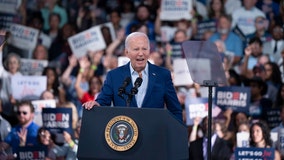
x,y
236,98
173,10
23,37
57,119
88,40
32,152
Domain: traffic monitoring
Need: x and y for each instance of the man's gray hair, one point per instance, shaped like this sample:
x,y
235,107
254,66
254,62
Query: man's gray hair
x,y
135,34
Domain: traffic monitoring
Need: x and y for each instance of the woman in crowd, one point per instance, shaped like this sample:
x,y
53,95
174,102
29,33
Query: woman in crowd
x,y
11,68
53,84
260,137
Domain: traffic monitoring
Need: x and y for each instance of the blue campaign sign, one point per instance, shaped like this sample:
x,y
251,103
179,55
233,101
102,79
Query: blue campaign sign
x,y
57,119
32,152
254,153
236,98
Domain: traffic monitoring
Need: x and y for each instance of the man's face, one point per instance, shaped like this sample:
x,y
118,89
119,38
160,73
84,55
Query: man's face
x,y
138,52
224,25
24,114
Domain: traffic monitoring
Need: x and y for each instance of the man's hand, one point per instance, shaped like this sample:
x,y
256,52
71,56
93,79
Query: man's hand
x,y
23,136
90,104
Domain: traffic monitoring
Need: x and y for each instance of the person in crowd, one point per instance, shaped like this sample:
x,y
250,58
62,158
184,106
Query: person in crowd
x,y
25,133
252,53
40,52
54,22
260,137
244,17
273,74
53,84
276,45
11,68
143,16
5,126
94,87
90,13
269,7
137,49
127,8
216,9
232,5
279,102
258,103
281,64
69,80
261,30
115,19
198,148
232,42
55,151
280,17
116,47
281,125
60,50
179,37
51,6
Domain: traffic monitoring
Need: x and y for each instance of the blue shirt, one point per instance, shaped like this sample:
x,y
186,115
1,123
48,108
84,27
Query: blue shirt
x,y
233,43
13,139
143,88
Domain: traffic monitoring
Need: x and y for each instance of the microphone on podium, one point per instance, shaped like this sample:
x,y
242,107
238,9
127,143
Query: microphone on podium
x,y
137,84
121,89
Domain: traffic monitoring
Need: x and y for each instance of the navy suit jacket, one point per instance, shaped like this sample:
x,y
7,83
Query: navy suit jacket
x,y
160,90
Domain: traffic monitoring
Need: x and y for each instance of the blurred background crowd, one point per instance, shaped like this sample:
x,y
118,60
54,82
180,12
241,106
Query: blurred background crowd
x,y
248,35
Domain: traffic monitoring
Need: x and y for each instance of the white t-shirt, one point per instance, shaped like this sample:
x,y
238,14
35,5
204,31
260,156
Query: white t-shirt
x,y
245,19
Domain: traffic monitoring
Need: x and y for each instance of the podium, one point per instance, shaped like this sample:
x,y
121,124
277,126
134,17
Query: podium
x,y
157,134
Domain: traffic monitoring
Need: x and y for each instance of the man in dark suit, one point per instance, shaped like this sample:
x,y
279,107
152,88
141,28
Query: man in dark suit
x,y
156,89
219,149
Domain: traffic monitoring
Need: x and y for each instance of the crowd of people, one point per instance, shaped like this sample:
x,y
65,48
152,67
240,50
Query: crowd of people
x,y
248,35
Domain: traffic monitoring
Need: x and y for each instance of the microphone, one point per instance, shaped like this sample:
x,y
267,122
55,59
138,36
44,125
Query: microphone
x,y
137,84
121,89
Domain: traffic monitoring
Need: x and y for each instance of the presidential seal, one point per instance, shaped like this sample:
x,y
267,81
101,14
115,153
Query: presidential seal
x,y
121,133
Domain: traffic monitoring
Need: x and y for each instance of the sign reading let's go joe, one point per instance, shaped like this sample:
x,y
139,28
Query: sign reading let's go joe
x,y
251,153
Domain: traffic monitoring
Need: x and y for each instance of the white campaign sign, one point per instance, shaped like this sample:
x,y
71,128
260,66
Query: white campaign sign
x,y
88,40
173,10
39,105
181,73
28,87
9,6
23,37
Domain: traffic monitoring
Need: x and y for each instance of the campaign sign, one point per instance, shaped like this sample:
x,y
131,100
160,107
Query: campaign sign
x,y
181,73
23,37
195,107
9,6
242,139
57,119
45,40
236,98
272,117
122,60
172,10
254,153
32,152
7,19
88,40
38,106
28,87
32,66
